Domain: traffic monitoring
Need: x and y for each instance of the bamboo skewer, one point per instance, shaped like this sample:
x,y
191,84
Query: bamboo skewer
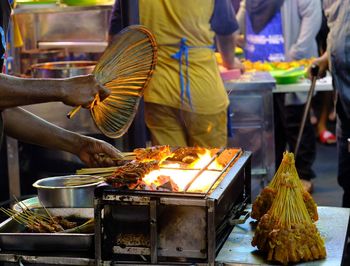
x,y
73,111
264,201
47,223
125,156
79,181
286,231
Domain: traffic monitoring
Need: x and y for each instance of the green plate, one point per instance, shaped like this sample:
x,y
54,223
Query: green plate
x,y
287,76
36,2
81,2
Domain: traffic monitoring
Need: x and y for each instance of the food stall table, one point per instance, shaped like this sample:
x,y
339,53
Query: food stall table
x,y
11,259
237,250
324,84
333,226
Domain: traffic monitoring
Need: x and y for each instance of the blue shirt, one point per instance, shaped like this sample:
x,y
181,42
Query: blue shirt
x,y
268,44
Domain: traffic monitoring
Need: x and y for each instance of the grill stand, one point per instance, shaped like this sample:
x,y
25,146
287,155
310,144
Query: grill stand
x,y
177,228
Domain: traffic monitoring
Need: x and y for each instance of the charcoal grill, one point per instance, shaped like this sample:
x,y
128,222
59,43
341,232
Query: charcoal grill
x,y
135,227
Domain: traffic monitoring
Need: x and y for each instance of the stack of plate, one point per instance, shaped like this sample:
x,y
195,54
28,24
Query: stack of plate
x,y
289,76
36,3
86,2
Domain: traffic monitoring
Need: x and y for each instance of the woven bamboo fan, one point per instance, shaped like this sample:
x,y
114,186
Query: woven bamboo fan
x,y
125,68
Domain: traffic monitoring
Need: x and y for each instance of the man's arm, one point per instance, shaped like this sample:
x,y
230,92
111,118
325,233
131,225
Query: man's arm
x,y
311,13
27,127
224,24
241,17
80,90
226,45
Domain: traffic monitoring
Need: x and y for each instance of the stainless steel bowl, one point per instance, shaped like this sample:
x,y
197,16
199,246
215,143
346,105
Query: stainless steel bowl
x,y
62,69
52,192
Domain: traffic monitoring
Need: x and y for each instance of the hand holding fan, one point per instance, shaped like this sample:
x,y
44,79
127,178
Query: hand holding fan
x,y
125,68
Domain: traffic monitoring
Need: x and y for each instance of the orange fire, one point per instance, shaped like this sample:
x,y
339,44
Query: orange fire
x,y
182,177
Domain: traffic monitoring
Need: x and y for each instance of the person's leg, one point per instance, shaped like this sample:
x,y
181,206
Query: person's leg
x,y
165,125
315,108
307,147
325,107
279,125
209,131
325,136
333,113
343,133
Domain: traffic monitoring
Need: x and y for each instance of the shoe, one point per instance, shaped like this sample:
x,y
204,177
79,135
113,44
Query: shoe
x,y
307,185
327,137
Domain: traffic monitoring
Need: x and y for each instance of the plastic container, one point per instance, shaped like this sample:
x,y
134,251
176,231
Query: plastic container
x,y
287,77
83,2
229,74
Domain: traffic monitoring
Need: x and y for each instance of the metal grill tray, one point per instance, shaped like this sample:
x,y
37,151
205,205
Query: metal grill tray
x,y
13,237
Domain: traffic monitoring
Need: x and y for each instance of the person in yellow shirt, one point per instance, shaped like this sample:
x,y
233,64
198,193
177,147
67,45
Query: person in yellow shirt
x,y
186,102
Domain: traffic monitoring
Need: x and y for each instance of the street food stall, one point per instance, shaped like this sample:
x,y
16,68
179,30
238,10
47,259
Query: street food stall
x,y
162,205
146,221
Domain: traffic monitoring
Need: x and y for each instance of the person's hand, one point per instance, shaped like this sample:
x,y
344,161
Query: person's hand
x,y
83,90
97,153
236,64
322,63
240,41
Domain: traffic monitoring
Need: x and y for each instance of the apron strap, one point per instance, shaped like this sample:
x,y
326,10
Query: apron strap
x,y
3,41
184,52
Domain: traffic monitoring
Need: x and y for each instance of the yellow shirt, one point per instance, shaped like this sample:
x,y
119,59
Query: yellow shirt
x,y
171,21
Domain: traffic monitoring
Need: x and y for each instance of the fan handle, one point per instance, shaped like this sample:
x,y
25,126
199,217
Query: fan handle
x,y
73,111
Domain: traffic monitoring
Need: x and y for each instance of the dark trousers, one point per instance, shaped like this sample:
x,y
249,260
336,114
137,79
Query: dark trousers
x,y
343,133
287,124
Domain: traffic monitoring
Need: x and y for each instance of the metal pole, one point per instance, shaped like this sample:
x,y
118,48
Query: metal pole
x,y
314,73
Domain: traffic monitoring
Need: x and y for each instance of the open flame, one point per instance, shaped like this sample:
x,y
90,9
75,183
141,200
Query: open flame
x,y
181,177
204,159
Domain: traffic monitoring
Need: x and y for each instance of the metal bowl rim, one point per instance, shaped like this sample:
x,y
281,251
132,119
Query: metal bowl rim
x,y
37,185
46,65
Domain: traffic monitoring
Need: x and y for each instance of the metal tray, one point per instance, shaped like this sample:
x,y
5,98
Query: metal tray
x,y
14,238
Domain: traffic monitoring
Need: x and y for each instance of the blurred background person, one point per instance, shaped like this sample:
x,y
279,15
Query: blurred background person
x,y
323,109
186,102
277,30
337,60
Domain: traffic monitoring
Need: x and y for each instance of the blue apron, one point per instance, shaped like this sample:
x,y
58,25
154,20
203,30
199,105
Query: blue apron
x,y
268,44
184,52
